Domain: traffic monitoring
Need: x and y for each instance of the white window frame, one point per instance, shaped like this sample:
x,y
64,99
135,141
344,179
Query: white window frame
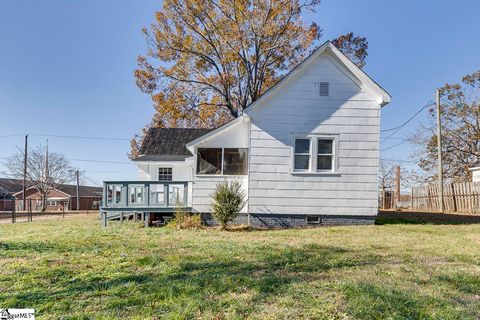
x,y
325,154
310,162
164,167
314,153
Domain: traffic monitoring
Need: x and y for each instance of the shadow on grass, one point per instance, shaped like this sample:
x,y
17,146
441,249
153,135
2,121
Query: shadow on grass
x,y
29,247
385,221
467,283
368,301
188,287
401,217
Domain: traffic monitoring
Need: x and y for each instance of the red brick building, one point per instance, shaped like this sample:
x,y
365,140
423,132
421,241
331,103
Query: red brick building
x,y
63,197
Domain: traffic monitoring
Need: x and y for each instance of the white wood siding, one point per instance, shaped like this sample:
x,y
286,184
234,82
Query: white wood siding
x,y
204,185
350,111
181,170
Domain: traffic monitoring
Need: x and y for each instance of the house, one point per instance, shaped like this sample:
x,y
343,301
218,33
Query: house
x,y
475,169
63,197
306,153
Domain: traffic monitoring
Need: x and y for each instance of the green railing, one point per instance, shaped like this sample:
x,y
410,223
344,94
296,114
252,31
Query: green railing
x,y
136,195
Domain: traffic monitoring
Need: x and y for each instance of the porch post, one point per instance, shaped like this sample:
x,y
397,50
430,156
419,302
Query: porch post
x,y
104,219
166,195
147,191
105,195
185,195
127,190
147,219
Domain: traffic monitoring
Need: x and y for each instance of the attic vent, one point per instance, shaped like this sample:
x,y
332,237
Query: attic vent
x,y
324,86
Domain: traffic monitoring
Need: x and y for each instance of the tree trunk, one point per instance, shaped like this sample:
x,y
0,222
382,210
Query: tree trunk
x,y
44,203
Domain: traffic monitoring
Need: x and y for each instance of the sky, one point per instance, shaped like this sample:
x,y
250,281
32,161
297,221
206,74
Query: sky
x,y
66,68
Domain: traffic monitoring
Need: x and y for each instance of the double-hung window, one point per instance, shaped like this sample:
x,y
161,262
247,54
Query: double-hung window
x,y
314,154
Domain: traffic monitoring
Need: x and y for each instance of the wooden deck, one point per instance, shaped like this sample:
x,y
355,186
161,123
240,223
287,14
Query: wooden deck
x,y
131,199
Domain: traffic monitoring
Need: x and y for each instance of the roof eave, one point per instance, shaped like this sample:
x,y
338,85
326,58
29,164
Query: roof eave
x,y
191,145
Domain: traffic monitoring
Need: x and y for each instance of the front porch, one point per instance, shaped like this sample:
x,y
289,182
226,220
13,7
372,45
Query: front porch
x,y
152,201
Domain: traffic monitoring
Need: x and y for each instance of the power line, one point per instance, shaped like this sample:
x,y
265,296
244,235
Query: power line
x,y
90,179
66,136
101,161
394,146
79,137
398,160
12,135
429,103
398,128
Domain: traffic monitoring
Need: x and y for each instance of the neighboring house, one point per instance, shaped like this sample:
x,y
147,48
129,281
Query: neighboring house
x,y
306,152
63,197
475,169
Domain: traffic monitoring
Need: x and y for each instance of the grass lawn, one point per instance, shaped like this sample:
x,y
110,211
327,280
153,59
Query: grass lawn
x,y
72,269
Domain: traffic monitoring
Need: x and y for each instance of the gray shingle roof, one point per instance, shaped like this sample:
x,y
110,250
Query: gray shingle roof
x,y
11,185
168,143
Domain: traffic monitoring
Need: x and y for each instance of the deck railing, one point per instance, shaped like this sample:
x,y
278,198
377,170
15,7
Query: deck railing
x,y
133,195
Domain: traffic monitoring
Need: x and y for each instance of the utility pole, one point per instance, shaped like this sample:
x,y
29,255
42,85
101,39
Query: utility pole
x,y
77,173
25,159
397,185
439,150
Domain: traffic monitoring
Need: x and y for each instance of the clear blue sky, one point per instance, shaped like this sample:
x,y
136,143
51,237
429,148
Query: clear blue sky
x,y
66,67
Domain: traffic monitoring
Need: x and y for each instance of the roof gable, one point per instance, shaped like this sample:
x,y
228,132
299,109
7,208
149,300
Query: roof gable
x,y
341,61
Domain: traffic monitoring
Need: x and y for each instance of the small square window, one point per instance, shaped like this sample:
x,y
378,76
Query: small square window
x,y
165,174
324,89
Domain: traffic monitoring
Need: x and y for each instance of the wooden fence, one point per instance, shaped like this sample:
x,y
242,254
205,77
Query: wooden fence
x,y
461,197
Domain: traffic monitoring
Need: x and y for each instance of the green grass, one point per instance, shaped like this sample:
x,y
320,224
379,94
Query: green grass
x,y
72,269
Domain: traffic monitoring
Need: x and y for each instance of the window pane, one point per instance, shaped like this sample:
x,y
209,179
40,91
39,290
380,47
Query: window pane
x,y
302,145
324,162
165,174
325,146
235,161
302,162
209,161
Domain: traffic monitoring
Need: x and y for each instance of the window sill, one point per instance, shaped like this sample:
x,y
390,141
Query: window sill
x,y
308,173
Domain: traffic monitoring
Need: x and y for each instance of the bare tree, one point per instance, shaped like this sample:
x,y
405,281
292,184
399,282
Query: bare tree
x,y
386,178
44,173
460,116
